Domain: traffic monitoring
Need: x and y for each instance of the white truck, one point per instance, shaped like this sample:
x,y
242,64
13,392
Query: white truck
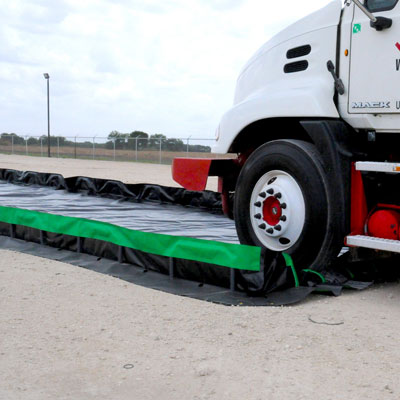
x,y
316,126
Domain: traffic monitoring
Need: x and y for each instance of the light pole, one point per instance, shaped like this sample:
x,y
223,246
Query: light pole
x,y
187,144
47,77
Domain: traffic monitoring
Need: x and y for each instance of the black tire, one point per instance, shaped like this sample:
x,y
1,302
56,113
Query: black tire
x,y
303,163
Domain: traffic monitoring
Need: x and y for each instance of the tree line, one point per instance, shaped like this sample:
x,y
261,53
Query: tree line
x,y
121,141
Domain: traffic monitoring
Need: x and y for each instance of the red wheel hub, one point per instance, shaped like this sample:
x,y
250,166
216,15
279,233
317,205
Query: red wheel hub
x,y
272,211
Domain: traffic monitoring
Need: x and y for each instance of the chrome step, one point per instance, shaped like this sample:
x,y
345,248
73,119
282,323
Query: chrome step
x,y
370,166
374,243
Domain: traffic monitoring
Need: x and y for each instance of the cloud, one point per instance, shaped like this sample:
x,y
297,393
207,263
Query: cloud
x,y
225,4
165,66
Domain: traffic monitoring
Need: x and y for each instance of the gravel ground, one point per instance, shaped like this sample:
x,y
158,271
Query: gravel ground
x,y
69,333
127,172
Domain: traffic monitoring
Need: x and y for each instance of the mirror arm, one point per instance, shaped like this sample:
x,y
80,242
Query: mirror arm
x,y
365,11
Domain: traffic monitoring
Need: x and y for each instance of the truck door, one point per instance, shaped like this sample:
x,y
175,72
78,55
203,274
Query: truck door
x,y
374,85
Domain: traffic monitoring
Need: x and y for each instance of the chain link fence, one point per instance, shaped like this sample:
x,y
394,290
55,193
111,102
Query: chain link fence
x,y
152,150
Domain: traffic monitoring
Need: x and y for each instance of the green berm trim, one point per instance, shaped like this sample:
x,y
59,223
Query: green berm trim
x,y
207,251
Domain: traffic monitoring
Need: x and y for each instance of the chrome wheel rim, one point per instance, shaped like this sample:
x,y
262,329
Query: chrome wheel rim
x,y
277,210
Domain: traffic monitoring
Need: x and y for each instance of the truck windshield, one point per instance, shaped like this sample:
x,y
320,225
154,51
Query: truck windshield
x,y
380,5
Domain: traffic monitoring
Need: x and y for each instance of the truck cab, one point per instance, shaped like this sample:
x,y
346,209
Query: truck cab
x,y
371,71
316,127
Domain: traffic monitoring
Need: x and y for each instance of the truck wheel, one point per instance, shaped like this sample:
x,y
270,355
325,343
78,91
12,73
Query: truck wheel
x,y
280,200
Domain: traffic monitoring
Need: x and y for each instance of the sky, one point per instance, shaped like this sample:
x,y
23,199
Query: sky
x,y
159,66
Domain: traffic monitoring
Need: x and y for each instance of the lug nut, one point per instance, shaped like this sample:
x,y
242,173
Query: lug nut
x,y
258,204
263,195
257,216
270,231
262,226
278,228
283,206
283,218
278,195
270,191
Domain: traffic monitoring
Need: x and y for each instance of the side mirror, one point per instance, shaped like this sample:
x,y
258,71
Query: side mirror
x,y
379,23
